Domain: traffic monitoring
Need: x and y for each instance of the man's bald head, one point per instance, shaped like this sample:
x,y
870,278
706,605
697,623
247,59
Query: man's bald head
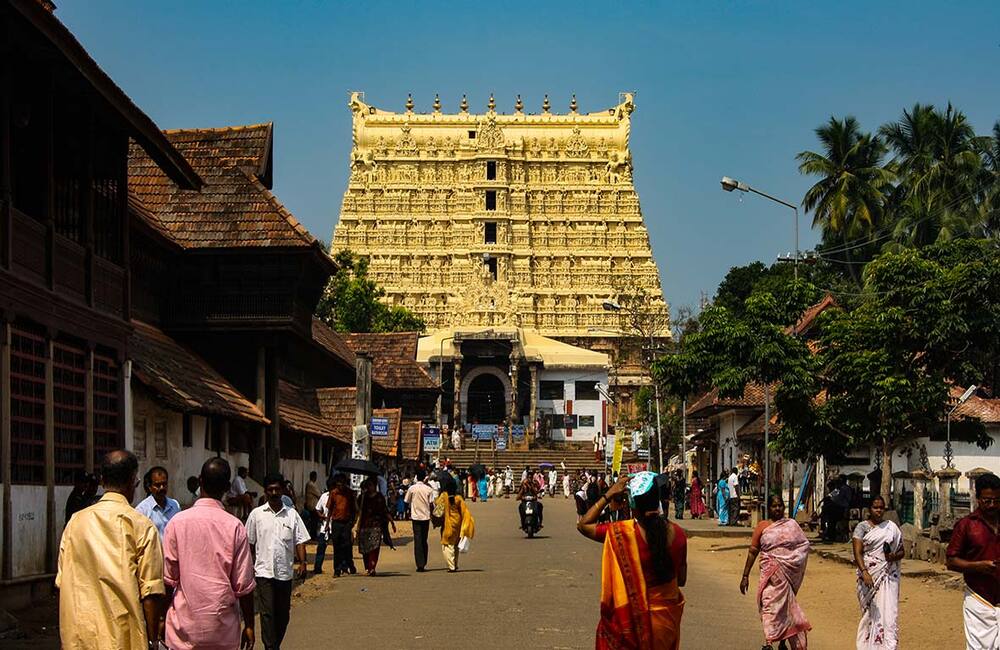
x,y
118,471
216,476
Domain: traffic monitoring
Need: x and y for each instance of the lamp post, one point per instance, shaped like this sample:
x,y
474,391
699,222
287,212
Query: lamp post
x,y
949,456
729,184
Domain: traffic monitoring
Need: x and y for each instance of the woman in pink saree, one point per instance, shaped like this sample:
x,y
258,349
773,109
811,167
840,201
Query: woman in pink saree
x,y
783,551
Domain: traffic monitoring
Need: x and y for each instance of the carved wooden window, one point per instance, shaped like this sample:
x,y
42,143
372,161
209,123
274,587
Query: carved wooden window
x,y
491,170
108,434
491,200
490,232
139,435
69,374
551,390
27,406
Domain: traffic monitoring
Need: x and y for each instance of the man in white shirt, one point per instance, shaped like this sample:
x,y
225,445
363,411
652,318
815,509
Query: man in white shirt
x,y
276,534
734,497
420,497
158,506
553,481
238,500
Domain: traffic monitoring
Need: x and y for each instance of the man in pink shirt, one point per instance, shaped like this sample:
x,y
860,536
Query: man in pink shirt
x,y
207,563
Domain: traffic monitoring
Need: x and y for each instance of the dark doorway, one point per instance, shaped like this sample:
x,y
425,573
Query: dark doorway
x,y
487,402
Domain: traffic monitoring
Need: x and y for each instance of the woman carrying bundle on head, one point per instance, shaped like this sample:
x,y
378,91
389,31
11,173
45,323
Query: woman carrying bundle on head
x,y
643,567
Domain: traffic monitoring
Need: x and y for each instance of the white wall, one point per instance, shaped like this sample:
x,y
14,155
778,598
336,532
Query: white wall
x,y
580,407
729,450
27,543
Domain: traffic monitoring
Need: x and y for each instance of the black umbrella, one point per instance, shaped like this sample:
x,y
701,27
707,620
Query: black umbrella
x,y
478,471
357,466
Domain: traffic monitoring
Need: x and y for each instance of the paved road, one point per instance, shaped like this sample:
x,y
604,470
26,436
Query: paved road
x,y
510,592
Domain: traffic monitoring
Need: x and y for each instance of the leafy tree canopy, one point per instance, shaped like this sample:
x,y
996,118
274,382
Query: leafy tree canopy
x,y
351,301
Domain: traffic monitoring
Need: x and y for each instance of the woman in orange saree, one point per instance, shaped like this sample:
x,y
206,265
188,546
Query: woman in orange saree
x,y
644,564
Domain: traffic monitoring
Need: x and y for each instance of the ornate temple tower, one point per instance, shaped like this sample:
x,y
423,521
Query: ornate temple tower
x,y
527,220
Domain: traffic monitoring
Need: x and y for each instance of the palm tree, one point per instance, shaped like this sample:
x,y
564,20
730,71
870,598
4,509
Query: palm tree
x,y
847,201
939,165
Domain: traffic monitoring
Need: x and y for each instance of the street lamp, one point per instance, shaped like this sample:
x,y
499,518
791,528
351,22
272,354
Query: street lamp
x,y
948,455
731,184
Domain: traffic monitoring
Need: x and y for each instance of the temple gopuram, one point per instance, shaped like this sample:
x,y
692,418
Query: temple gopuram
x,y
503,220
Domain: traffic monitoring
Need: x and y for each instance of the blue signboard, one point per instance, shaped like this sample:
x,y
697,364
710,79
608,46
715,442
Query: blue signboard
x,y
432,438
517,432
501,444
484,431
379,428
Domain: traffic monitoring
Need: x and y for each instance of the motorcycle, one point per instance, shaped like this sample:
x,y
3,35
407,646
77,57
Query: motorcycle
x,y
530,516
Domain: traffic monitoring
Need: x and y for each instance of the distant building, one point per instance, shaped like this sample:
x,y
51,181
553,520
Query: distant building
x,y
514,376
505,220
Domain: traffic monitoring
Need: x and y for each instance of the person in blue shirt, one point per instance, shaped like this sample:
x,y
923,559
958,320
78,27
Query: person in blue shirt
x,y
158,506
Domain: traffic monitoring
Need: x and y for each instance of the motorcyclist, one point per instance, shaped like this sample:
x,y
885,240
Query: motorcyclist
x,y
529,487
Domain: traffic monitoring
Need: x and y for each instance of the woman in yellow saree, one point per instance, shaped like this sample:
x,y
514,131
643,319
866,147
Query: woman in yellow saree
x,y
451,513
644,564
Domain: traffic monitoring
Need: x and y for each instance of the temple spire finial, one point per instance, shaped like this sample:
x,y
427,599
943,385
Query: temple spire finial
x,y
409,102
572,104
437,103
492,104
464,105
546,105
518,105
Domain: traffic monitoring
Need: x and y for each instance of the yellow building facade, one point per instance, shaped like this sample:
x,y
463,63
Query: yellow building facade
x,y
492,219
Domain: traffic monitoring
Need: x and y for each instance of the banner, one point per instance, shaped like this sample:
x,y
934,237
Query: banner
x,y
517,432
635,468
380,428
616,459
432,437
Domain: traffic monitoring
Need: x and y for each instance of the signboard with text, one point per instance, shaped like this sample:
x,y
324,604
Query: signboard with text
x,y
484,431
432,437
380,428
517,432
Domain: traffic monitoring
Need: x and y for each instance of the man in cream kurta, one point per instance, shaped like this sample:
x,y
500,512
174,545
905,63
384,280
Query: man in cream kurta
x,y
110,576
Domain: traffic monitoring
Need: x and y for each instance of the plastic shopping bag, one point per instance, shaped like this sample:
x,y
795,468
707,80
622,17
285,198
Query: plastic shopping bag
x,y
463,545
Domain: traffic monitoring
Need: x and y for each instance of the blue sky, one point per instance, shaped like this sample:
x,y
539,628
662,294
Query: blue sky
x,y
723,88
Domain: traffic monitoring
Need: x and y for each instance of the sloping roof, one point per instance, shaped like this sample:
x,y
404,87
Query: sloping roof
x,y
141,127
333,342
299,409
752,397
409,440
182,379
987,410
755,427
394,363
234,209
552,353
810,315
396,345
337,407
388,446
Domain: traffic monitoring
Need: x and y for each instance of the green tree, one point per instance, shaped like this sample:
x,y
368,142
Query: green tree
x,y
352,302
848,199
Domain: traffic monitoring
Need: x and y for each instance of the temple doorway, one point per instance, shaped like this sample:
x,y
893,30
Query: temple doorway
x,y
487,402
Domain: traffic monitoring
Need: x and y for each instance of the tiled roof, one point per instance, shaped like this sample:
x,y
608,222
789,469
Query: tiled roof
x,y
752,397
334,342
388,446
394,356
300,411
986,410
409,440
398,345
337,406
755,427
235,208
810,315
182,379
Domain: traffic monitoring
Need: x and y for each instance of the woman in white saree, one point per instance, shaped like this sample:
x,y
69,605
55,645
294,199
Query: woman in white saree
x,y
878,548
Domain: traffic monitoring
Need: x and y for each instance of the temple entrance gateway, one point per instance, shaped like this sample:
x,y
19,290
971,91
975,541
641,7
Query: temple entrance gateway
x,y
486,400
